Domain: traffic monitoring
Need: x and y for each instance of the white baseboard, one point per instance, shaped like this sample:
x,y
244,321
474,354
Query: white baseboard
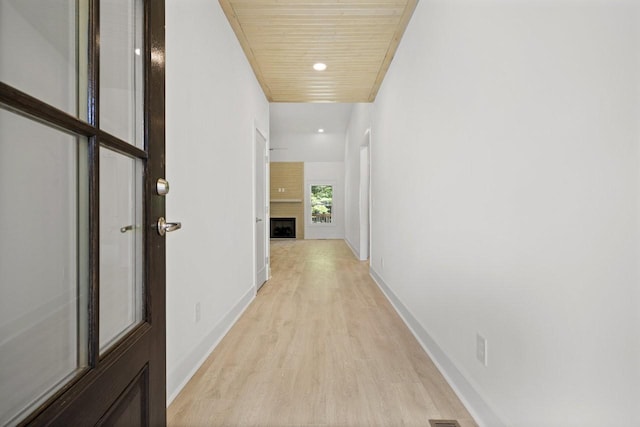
x,y
178,377
472,400
355,252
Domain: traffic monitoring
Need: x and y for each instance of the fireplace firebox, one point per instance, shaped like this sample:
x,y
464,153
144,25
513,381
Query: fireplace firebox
x,y
283,228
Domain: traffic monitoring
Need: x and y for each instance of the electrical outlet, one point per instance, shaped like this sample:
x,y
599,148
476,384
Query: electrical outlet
x,y
198,312
481,349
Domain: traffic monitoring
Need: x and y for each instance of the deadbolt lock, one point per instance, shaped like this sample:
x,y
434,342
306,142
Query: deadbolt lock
x,y
162,187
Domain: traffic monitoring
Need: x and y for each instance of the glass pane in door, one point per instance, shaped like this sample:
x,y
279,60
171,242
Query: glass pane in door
x,y
39,42
43,262
121,69
121,246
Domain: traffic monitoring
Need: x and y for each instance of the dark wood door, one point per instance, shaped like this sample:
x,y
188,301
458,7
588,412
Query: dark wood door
x,y
82,120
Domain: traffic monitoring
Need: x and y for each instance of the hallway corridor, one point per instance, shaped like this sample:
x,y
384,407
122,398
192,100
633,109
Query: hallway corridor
x,y
319,346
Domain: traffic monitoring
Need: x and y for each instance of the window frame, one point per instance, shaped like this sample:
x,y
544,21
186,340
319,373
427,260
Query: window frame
x,y
308,208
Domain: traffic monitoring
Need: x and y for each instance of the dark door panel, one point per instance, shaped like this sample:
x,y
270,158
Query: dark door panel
x,y
124,383
131,408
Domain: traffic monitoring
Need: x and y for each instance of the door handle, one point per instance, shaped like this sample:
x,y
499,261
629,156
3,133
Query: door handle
x,y
165,227
258,220
128,228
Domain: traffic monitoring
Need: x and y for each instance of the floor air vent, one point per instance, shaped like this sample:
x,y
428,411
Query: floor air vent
x,y
444,423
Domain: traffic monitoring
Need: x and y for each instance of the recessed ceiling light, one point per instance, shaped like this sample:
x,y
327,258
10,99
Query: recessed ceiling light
x,y
320,130
319,66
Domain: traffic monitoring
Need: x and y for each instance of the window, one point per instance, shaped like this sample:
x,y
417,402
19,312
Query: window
x,y
321,204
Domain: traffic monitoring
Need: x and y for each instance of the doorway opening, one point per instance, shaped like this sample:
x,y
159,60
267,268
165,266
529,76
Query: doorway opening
x,y
365,197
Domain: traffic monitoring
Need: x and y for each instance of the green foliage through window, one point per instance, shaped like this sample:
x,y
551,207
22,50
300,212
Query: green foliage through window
x,y
321,203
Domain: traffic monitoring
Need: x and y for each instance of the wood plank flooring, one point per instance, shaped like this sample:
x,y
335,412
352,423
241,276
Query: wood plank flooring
x,y
319,346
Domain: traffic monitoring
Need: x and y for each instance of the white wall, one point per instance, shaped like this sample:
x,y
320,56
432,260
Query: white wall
x,y
506,189
307,147
324,173
212,101
358,125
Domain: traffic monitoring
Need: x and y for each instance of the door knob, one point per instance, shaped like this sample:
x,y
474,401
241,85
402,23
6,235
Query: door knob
x,y
165,227
258,220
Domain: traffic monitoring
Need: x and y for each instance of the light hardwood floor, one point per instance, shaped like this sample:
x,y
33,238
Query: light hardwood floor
x,y
319,346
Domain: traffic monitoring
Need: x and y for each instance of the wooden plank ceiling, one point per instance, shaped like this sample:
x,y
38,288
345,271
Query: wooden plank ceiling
x,y
283,39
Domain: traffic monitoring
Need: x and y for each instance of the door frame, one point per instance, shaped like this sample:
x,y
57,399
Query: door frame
x,y
364,203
